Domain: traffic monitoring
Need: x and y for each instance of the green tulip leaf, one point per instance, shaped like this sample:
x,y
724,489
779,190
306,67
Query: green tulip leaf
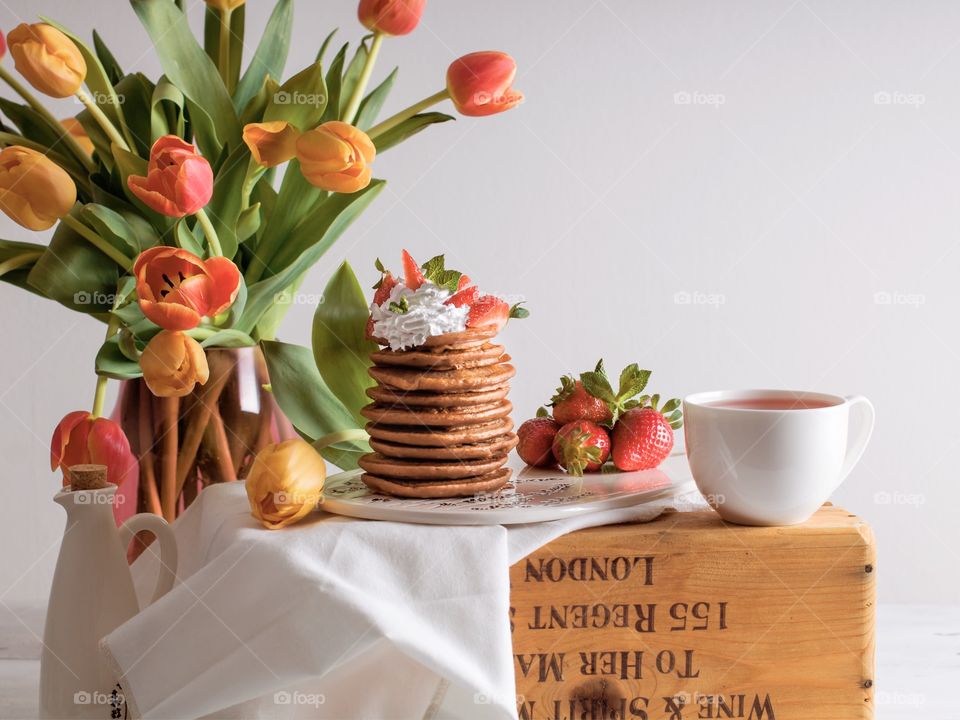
x,y
227,339
188,67
340,345
107,60
408,128
324,227
270,57
307,401
334,82
373,103
111,361
224,207
118,230
301,100
249,222
351,76
211,39
17,260
166,110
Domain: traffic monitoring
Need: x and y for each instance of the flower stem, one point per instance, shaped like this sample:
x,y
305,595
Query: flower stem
x,y
102,120
223,62
213,241
54,124
100,393
254,172
98,242
394,120
339,437
361,86
18,261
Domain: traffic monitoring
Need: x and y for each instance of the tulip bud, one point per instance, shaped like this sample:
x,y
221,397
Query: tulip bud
x,y
179,181
173,363
480,83
285,483
76,130
391,17
48,59
34,191
336,157
271,143
3,45
81,439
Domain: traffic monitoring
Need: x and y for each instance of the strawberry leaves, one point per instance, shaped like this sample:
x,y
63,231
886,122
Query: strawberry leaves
x,y
631,383
670,410
518,312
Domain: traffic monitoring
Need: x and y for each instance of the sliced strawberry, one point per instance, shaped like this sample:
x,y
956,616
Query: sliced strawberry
x,y
412,274
467,296
464,281
488,310
387,284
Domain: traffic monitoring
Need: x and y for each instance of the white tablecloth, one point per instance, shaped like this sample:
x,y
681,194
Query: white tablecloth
x,y
333,617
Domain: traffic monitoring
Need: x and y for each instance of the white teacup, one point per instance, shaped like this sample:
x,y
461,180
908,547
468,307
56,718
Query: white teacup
x,y
772,457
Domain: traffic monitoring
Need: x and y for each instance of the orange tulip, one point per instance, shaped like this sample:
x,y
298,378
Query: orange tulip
x,y
285,482
48,59
73,126
480,83
176,288
179,180
271,143
34,191
391,17
82,439
173,363
336,157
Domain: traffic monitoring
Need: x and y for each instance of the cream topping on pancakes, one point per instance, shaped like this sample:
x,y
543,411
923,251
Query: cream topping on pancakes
x,y
425,316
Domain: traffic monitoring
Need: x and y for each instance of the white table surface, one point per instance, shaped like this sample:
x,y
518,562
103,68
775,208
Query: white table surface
x,y
918,659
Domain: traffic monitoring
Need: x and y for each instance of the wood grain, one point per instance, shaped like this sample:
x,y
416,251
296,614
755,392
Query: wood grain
x,y
690,617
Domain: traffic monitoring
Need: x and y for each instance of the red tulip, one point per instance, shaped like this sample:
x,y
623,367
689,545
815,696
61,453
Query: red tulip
x,y
391,17
82,439
179,181
480,83
3,44
176,288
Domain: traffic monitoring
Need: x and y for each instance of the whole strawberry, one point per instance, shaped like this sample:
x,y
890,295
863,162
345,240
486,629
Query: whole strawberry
x,y
536,440
572,402
643,437
581,446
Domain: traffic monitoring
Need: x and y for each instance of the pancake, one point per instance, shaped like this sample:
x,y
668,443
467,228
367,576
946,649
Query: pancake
x,y
425,470
389,397
437,417
443,381
483,449
486,354
439,437
440,489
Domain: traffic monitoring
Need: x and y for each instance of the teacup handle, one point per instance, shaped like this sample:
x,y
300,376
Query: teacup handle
x,y
159,528
859,434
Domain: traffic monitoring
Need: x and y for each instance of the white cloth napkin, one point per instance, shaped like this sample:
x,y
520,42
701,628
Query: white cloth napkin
x,y
333,617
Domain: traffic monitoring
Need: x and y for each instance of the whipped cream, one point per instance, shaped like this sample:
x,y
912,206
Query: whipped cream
x,y
426,316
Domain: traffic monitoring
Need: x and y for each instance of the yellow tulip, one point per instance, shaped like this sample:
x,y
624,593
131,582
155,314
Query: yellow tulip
x,y
73,126
336,157
271,143
47,58
34,191
225,5
285,483
173,363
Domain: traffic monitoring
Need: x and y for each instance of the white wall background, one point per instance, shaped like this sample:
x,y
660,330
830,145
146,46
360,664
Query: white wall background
x,y
794,202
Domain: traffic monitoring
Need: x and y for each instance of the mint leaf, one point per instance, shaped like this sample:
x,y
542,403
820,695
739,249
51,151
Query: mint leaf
x,y
519,312
632,381
597,384
434,271
401,307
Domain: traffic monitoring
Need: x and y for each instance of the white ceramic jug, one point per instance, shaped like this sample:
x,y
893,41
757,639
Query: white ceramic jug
x,y
92,594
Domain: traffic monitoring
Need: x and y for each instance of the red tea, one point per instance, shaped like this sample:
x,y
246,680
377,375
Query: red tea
x,y
772,403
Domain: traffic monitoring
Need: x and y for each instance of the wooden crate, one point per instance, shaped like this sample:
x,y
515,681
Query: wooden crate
x,y
690,617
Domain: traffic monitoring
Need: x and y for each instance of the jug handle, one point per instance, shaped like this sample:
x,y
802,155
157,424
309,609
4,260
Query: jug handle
x,y
861,436
159,528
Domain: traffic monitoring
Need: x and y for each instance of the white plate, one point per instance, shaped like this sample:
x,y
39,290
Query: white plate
x,y
533,496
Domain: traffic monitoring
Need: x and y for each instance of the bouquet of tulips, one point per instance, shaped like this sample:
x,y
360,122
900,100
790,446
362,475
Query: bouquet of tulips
x,y
170,224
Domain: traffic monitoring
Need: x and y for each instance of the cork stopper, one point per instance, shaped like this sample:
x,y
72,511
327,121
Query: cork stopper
x,y
87,477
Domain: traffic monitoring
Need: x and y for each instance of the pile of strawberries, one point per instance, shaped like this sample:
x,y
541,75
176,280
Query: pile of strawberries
x,y
593,423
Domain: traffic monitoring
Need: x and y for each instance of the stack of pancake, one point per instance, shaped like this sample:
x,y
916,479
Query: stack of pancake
x,y
439,421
